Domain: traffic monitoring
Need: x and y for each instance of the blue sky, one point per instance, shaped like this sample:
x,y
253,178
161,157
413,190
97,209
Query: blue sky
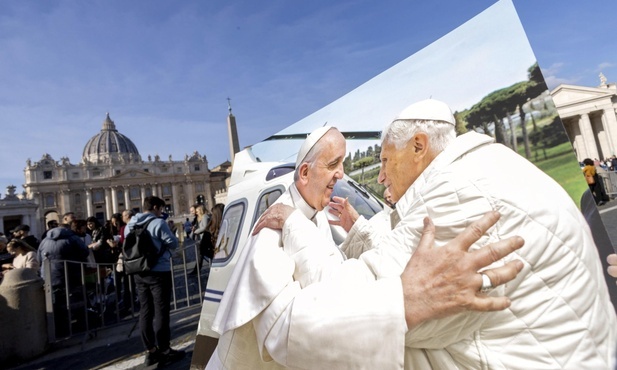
x,y
163,70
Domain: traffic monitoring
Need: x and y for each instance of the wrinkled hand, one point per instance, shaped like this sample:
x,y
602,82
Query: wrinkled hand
x,y
274,217
612,261
440,282
341,208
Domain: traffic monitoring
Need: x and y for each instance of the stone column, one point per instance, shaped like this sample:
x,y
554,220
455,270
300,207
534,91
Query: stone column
x,y
89,202
108,209
66,201
127,199
34,228
209,193
155,190
114,199
190,195
142,191
174,198
2,225
609,119
591,151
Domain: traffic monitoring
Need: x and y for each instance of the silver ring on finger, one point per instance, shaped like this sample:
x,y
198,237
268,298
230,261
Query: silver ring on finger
x,y
487,285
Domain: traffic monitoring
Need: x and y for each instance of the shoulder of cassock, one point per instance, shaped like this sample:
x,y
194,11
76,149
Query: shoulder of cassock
x,y
254,282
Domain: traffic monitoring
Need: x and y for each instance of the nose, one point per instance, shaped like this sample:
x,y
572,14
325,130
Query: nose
x,y
339,171
382,175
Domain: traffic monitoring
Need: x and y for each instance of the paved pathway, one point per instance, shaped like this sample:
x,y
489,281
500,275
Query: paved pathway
x,y
119,347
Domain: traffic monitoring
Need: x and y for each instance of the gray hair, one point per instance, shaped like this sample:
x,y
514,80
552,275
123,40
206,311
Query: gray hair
x,y
399,132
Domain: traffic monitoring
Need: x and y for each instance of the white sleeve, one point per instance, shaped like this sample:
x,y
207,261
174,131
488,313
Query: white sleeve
x,y
341,312
315,257
365,234
336,325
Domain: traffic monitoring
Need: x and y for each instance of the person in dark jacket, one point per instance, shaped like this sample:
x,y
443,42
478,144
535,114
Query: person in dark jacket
x,y
23,232
101,250
62,247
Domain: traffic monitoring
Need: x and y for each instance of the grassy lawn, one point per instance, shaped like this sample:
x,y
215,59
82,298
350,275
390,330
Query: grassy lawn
x,y
563,167
560,163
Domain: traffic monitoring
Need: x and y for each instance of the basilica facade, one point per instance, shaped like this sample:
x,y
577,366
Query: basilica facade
x,y
112,176
589,117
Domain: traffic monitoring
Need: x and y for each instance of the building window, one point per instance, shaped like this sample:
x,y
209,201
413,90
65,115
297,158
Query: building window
x,y
118,172
167,190
49,200
197,168
75,175
199,187
96,172
134,193
77,199
148,192
99,196
178,169
146,170
164,169
47,175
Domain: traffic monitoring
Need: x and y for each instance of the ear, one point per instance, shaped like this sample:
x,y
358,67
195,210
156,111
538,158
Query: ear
x,y
420,145
304,169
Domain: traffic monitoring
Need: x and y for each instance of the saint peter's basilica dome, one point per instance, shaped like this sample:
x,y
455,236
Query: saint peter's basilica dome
x,y
110,146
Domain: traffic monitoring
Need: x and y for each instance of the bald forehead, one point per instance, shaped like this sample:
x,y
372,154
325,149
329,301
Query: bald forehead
x,y
332,137
331,140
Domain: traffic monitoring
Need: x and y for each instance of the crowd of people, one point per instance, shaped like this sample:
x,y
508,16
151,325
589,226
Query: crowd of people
x,y
607,164
88,251
103,242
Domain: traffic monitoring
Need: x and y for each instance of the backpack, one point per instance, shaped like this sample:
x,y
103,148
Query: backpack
x,y
138,251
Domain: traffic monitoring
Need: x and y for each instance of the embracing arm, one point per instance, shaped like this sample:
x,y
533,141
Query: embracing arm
x,y
201,226
324,323
362,234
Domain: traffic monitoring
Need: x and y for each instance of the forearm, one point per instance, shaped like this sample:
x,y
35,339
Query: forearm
x,y
315,257
363,236
201,227
327,324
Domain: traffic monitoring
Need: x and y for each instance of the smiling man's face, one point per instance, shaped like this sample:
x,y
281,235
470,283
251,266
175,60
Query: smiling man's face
x,y
323,173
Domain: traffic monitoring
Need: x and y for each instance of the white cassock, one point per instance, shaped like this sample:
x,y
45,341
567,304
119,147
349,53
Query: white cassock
x,y
561,316
309,284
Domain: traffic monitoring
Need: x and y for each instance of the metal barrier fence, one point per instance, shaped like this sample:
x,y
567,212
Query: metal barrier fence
x,y
610,183
95,296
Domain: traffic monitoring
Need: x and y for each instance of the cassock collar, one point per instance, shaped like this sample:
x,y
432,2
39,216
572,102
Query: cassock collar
x,y
299,203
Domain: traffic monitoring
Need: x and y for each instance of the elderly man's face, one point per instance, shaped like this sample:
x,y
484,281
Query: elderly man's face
x,y
398,169
325,171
